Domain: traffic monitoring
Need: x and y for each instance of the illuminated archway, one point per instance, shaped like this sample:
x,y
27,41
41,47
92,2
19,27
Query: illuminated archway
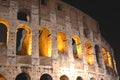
x,y
104,53
61,42
77,47
64,77
4,32
23,76
89,53
46,77
23,40
109,59
45,42
2,77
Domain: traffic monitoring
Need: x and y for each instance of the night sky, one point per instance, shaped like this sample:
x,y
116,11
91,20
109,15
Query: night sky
x,y
107,13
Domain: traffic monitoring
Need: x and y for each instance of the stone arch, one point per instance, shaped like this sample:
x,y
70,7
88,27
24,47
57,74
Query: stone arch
x,y
92,78
2,77
79,78
98,56
23,76
46,77
23,14
89,53
104,54
61,42
4,32
77,47
45,42
109,59
23,40
64,77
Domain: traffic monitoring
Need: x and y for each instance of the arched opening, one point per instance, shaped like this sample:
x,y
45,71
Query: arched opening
x,y
4,32
45,42
102,79
77,47
79,78
64,77
109,60
2,77
46,77
23,40
89,53
104,53
23,76
3,35
98,56
23,15
92,78
43,2
61,42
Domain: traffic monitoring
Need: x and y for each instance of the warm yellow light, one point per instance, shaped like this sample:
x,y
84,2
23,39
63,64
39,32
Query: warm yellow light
x,y
1,77
109,60
62,42
45,42
78,46
27,42
104,53
89,53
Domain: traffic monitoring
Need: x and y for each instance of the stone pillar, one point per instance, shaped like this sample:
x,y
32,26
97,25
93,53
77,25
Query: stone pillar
x,y
69,37
11,50
35,34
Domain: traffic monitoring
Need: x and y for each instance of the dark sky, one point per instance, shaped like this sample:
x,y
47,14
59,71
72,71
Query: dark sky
x,y
107,13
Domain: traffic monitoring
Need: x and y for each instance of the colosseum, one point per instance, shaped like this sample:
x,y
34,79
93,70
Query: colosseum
x,y
52,40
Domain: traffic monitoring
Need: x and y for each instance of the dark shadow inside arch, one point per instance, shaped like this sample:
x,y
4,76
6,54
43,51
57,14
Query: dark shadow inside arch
x,y
20,37
92,78
22,16
64,77
79,78
98,56
74,46
45,77
23,76
3,34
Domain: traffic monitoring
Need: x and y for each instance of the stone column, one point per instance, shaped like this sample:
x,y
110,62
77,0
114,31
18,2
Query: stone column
x,y
35,34
11,50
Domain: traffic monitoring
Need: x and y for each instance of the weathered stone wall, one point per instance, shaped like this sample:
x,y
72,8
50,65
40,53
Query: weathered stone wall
x,y
66,19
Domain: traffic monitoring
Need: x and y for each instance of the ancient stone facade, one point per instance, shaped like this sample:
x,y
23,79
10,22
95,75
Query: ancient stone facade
x,y
51,40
